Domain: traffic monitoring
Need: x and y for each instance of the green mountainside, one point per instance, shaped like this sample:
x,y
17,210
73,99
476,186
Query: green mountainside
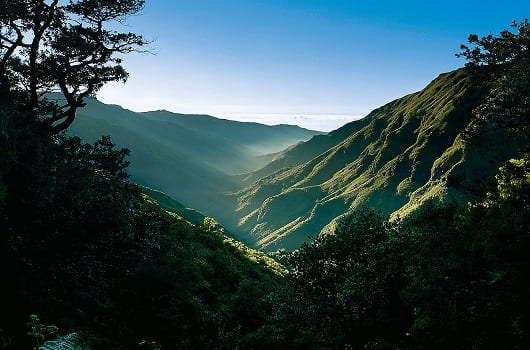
x,y
171,205
419,212
398,157
301,152
186,156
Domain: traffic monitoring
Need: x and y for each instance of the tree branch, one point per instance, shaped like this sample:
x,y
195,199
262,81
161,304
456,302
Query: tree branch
x,y
38,32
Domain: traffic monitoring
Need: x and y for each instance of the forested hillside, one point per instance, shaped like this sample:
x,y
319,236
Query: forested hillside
x,y
82,251
91,260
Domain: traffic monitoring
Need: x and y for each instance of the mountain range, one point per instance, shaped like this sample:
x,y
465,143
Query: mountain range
x,y
403,155
186,156
276,187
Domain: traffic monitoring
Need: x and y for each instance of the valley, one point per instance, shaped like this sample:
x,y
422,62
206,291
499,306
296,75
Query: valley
x,y
405,229
275,187
188,157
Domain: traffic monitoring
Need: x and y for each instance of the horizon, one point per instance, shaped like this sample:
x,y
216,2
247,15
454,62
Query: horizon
x,y
318,65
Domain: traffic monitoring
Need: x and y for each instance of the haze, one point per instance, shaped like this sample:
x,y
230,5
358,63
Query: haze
x,y
317,64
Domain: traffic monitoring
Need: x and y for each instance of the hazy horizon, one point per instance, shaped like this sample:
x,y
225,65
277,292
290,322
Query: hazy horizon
x,y
306,62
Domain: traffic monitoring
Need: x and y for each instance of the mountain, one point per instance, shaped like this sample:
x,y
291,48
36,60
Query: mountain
x,y
186,156
397,158
302,152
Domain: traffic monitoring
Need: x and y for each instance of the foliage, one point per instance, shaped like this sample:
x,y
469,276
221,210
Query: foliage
x,y
78,242
513,183
149,345
344,289
199,292
507,104
71,341
446,277
38,331
506,48
69,46
81,245
5,341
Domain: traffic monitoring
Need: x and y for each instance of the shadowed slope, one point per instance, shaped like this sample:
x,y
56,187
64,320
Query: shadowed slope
x,y
187,156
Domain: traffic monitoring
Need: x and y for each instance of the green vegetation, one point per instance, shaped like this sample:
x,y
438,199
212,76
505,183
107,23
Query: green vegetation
x,y
80,246
113,267
85,249
172,206
444,278
507,102
441,144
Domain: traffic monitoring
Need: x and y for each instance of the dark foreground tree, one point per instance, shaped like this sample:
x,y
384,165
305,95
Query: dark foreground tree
x,y
497,50
507,56
62,46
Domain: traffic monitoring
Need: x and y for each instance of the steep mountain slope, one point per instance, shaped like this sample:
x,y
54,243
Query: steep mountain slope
x,y
186,156
398,157
302,152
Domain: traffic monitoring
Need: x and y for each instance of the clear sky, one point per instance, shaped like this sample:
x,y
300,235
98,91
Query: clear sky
x,y
315,63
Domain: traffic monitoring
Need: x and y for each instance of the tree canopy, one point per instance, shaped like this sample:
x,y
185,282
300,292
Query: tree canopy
x,y
493,50
507,104
71,47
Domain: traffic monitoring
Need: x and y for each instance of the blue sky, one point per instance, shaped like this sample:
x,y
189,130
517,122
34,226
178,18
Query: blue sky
x,y
318,64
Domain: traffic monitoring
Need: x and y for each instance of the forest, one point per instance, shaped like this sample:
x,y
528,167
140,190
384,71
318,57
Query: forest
x,y
88,259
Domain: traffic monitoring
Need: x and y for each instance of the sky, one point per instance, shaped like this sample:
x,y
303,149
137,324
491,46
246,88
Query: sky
x,y
315,63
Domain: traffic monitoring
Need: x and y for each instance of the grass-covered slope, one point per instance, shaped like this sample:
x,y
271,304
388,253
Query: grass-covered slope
x,y
398,157
303,152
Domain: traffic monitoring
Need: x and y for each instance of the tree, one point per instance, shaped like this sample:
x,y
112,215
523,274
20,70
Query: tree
x,y
506,48
343,290
62,46
507,105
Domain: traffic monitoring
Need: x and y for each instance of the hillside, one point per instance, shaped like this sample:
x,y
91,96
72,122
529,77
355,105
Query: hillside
x,y
302,152
186,156
172,206
395,159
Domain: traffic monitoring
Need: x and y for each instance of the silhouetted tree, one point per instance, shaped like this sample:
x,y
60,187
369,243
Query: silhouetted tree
x,y
62,46
492,50
507,56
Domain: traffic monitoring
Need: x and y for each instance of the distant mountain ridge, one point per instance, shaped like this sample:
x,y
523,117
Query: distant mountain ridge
x,y
185,156
397,158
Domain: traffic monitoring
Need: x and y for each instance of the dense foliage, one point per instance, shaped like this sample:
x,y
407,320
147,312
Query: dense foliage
x,y
80,246
71,47
507,58
83,249
445,278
